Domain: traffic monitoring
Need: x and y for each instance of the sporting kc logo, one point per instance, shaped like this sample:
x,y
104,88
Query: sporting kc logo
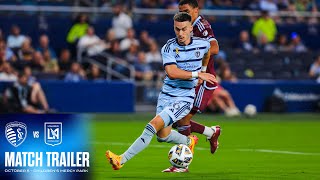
x,y
53,133
16,133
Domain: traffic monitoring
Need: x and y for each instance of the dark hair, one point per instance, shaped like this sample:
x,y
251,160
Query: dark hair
x,y
20,74
181,17
193,3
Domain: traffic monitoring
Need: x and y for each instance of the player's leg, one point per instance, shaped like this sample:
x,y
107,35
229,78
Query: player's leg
x,y
165,118
203,95
138,145
183,126
38,96
172,114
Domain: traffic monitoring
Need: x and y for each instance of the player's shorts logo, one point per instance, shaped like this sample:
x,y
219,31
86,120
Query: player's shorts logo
x,y
16,133
53,133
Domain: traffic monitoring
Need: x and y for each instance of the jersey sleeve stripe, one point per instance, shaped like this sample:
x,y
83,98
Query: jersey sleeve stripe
x,y
169,64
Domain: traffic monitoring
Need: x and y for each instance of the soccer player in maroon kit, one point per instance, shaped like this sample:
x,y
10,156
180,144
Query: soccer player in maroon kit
x,y
202,29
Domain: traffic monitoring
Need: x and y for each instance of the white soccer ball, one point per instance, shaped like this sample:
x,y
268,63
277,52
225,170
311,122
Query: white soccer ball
x,y
180,156
250,110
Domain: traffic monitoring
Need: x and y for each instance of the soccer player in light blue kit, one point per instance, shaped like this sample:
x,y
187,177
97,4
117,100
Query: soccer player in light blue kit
x,y
183,58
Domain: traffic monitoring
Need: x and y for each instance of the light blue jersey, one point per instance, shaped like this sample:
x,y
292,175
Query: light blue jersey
x,y
176,97
188,58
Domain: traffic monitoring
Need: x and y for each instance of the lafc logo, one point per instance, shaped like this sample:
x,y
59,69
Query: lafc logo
x,y
16,133
53,133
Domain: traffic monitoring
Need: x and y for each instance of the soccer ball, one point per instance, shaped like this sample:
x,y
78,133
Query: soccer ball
x,y
250,110
180,156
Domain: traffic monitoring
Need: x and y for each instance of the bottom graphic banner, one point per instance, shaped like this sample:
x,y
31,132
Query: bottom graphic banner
x,y
53,146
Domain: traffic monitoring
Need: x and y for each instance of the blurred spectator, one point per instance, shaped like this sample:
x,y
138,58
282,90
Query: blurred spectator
x,y
222,100
268,5
121,22
76,73
244,43
37,94
296,45
129,40
283,4
145,41
172,4
143,69
226,73
44,46
153,55
15,39
38,62
64,61
26,51
251,4
314,71
1,35
7,53
78,29
115,49
282,43
91,43
18,98
2,52
265,26
7,73
110,36
50,65
132,54
264,45
303,5
94,73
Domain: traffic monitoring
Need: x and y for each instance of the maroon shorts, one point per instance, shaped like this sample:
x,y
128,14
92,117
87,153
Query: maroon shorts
x,y
203,95
204,91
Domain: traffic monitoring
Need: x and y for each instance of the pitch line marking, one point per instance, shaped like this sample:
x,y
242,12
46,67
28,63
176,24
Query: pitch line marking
x,y
206,149
279,152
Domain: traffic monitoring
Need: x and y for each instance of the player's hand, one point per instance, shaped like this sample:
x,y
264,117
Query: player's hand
x,y
208,77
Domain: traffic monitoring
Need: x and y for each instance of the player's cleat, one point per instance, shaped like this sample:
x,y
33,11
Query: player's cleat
x,y
114,160
214,139
193,141
174,169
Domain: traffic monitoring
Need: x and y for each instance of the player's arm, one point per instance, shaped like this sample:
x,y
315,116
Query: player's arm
x,y
205,61
214,47
174,72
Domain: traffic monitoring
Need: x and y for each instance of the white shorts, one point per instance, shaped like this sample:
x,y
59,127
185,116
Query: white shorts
x,y
173,109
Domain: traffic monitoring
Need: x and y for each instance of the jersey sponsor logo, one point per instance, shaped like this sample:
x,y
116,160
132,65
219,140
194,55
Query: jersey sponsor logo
x,y
16,133
53,133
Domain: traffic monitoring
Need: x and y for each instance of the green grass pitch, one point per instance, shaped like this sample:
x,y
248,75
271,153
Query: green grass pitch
x,y
268,146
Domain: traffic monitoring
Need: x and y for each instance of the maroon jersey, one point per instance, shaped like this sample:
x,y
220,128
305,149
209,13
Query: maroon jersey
x,y
202,29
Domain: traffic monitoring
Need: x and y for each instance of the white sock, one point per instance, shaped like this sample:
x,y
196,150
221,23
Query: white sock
x,y
208,131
